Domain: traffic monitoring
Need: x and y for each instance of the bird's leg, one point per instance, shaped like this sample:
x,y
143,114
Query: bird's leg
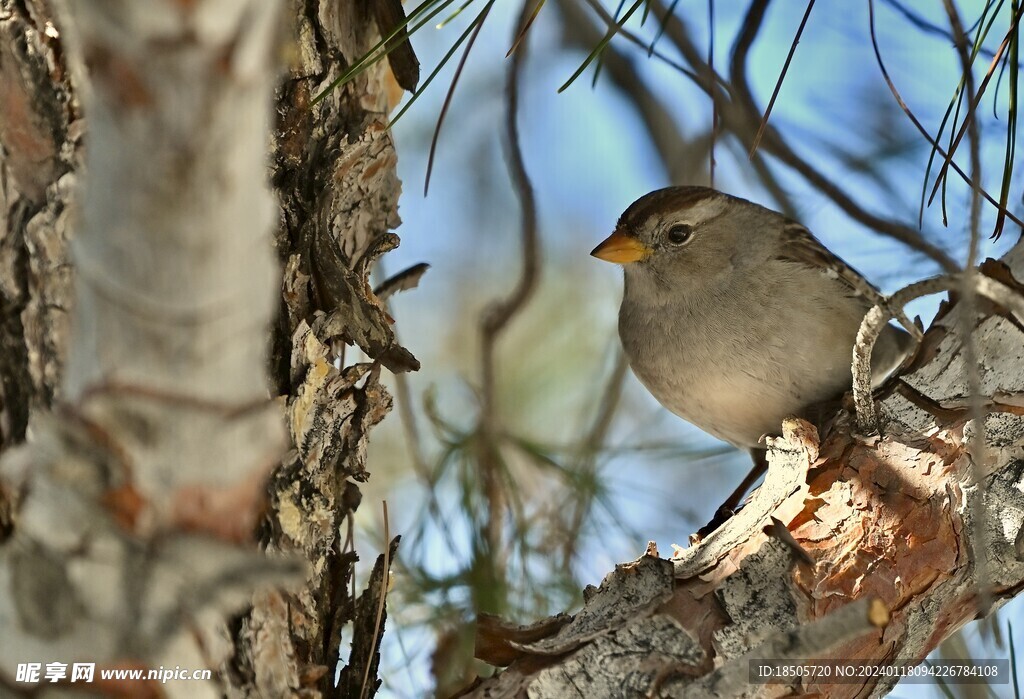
x,y
818,414
728,508
760,457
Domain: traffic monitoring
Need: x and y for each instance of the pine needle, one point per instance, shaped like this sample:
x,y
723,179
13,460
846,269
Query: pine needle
x,y
661,27
450,18
1011,128
431,7
782,76
601,46
526,28
442,63
478,24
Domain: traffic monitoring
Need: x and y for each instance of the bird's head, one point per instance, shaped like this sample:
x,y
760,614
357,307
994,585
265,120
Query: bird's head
x,y
684,235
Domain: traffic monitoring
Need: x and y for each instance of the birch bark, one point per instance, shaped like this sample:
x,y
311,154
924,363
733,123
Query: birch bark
x,y
134,500
127,520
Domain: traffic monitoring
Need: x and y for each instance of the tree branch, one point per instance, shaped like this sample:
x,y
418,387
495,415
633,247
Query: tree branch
x,y
887,517
499,314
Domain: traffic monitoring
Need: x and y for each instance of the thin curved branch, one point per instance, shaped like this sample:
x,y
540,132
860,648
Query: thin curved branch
x,y
782,77
775,145
676,152
877,318
927,27
920,128
496,317
477,27
613,25
968,301
740,115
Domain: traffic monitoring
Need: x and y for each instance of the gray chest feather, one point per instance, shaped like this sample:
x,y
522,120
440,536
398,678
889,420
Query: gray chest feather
x,y
736,362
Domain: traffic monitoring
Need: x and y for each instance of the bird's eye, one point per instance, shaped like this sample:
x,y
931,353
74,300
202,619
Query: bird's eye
x,y
679,233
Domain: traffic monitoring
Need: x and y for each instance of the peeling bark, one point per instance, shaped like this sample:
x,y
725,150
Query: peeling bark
x,y
39,135
885,518
333,168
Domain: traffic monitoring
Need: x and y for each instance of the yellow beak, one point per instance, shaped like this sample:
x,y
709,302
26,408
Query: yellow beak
x,y
621,248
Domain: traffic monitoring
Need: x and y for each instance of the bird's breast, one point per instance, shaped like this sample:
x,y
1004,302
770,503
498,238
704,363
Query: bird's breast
x,y
736,364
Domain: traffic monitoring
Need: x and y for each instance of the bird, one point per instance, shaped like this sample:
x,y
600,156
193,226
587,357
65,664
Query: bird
x,y
735,317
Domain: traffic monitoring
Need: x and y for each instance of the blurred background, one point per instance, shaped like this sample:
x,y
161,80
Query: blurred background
x,y
579,467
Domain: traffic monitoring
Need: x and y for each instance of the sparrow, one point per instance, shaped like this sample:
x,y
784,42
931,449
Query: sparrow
x,y
734,316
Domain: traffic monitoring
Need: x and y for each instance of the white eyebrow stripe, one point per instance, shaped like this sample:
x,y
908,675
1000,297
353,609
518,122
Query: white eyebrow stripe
x,y
704,210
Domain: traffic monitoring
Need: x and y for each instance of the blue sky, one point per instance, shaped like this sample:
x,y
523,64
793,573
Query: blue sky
x,y
589,157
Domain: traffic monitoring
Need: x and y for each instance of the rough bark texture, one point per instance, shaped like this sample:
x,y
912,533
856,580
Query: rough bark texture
x,y
334,171
39,136
158,459
133,505
893,518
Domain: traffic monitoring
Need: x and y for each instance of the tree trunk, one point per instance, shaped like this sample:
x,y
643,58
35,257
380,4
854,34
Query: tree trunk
x,y
127,520
858,547
334,171
136,499
39,131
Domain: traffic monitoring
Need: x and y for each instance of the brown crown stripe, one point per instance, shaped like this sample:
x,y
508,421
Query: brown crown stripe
x,y
661,201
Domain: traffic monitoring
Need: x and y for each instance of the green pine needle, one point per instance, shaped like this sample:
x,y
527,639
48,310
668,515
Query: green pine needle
x,y
431,7
601,46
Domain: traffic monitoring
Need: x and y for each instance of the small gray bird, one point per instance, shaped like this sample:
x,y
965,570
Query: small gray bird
x,y
735,317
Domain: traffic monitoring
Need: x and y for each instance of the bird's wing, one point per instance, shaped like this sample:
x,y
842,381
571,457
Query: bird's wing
x,y
798,245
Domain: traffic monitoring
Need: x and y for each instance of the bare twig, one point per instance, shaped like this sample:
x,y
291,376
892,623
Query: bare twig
x,y
739,114
782,197
714,93
405,403
917,124
593,443
870,329
410,425
608,403
451,92
774,144
497,316
613,25
676,152
929,28
704,83
968,300
877,318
